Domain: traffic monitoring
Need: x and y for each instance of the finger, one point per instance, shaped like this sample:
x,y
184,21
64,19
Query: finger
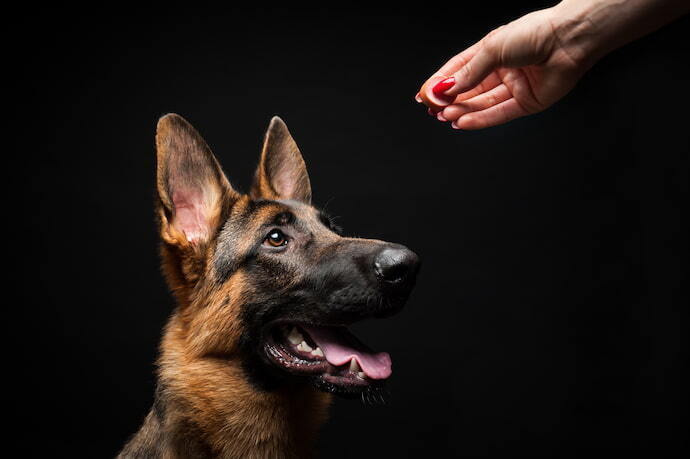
x,y
475,70
478,103
456,62
487,84
492,116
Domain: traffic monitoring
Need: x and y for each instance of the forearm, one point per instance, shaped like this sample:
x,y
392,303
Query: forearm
x,y
593,28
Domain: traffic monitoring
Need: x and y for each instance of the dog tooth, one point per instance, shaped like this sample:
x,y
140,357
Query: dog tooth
x,y
303,346
354,366
317,352
360,374
295,337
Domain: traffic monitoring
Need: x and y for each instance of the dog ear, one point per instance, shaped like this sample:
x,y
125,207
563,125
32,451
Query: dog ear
x,y
282,173
192,187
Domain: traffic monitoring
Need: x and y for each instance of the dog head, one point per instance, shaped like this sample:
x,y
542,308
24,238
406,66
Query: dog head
x,y
265,278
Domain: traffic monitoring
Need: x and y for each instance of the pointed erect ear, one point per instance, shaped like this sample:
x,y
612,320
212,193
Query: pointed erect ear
x,y
191,185
282,173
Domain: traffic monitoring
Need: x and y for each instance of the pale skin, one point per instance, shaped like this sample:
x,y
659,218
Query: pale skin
x,y
526,66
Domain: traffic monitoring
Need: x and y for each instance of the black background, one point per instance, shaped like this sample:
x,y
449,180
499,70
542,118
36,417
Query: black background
x,y
550,317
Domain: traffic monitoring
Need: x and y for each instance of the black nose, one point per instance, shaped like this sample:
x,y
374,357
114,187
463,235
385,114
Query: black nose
x,y
396,264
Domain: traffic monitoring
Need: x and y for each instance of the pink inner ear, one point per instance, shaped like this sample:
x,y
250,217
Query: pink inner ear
x,y
190,216
284,182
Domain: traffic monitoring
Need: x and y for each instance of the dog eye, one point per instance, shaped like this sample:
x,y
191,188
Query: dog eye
x,y
276,238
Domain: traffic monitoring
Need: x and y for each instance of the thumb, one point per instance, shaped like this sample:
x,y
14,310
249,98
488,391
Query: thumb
x,y
485,61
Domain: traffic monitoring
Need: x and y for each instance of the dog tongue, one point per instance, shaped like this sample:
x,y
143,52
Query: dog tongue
x,y
339,346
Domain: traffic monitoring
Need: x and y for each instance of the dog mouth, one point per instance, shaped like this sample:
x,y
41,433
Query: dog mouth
x,y
334,356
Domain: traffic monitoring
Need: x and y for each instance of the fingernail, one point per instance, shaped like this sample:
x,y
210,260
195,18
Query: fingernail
x,y
443,86
441,117
454,125
417,98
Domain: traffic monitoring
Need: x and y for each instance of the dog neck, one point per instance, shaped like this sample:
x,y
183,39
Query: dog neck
x,y
208,407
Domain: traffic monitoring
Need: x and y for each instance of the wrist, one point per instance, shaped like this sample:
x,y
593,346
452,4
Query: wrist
x,y
581,29
589,29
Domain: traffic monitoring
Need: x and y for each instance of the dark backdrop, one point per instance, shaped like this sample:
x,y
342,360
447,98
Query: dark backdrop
x,y
550,317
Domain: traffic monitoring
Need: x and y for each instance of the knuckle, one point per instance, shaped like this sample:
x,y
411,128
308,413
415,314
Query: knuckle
x,y
491,40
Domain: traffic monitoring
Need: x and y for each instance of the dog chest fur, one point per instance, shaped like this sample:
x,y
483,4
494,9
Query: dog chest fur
x,y
206,407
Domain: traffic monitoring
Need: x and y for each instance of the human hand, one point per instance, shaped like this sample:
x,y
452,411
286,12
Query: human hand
x,y
529,64
516,70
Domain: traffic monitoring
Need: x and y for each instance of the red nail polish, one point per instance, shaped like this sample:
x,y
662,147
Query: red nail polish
x,y
443,86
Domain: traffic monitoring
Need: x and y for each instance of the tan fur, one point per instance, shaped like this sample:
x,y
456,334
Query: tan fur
x,y
205,403
205,385
201,371
234,418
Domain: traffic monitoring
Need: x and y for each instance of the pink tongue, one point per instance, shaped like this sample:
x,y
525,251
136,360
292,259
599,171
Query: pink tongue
x,y
340,346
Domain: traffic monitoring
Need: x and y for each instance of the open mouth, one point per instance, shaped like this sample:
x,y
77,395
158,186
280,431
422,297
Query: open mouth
x,y
330,353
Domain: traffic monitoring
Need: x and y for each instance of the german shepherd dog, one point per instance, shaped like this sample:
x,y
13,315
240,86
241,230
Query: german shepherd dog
x,y
265,287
